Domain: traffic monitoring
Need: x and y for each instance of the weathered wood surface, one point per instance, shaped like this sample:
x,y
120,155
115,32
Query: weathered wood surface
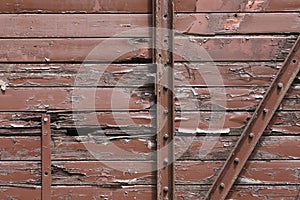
x,y
72,148
75,25
240,192
255,172
79,192
253,48
79,173
202,24
144,6
134,25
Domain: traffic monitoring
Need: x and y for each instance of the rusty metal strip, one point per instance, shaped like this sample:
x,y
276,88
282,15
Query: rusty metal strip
x,y
256,126
46,157
163,59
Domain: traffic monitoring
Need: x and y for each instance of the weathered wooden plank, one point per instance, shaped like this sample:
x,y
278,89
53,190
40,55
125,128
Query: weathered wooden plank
x,y
80,173
80,192
255,172
75,25
65,147
236,6
252,48
236,48
269,147
100,75
72,6
141,148
240,192
234,122
258,23
74,50
119,121
237,98
42,99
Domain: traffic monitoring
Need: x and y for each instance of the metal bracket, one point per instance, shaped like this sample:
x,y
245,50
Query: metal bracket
x,y
46,157
163,59
256,126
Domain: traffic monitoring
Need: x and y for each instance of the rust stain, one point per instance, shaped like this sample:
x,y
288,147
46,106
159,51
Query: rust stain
x,y
233,22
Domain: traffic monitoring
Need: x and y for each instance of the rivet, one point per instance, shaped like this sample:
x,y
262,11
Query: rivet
x,y
251,135
165,88
45,119
166,136
166,161
236,160
166,189
280,85
222,185
266,110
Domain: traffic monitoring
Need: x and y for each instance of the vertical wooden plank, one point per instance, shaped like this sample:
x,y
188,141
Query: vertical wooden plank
x,y
163,58
46,157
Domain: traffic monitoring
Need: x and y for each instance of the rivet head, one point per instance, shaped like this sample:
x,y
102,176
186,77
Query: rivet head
x,y
236,160
166,161
266,110
251,135
45,119
166,136
222,185
166,189
280,85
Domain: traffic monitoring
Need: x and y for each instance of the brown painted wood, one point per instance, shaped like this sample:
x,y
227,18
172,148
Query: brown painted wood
x,y
49,75
263,23
236,6
75,25
65,147
41,99
80,192
219,49
71,6
240,192
255,172
80,173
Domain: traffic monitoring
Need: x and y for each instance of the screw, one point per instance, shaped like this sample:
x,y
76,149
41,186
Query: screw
x,y
222,185
236,160
45,119
166,189
251,135
280,85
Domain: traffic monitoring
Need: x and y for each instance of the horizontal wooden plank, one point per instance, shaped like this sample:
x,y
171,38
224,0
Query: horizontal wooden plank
x,y
234,122
79,173
126,148
186,48
269,147
231,98
100,75
237,48
41,99
120,122
136,75
75,25
65,147
143,6
236,6
240,192
79,192
211,24
71,6
74,50
255,172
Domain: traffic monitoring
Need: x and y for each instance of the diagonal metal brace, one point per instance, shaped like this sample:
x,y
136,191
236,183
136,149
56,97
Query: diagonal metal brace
x,y
256,126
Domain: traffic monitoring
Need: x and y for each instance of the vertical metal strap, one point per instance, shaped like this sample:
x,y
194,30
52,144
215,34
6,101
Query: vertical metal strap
x,y
163,59
256,126
46,157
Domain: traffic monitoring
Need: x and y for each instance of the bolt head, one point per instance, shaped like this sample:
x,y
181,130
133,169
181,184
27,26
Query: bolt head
x,y
166,161
166,136
222,185
45,119
251,135
280,85
236,160
166,189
